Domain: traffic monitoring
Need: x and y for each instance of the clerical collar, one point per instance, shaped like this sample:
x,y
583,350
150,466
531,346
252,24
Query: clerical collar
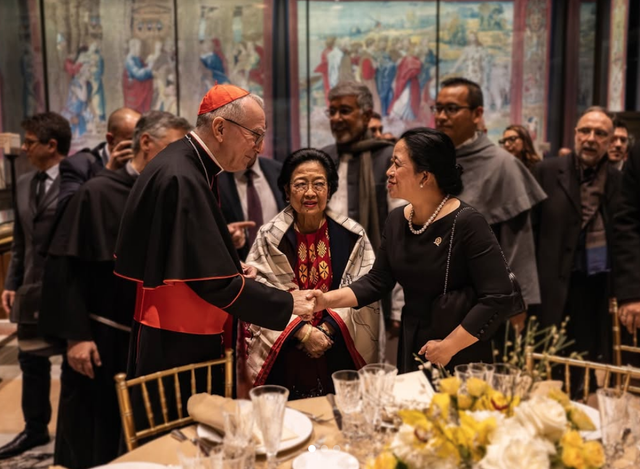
x,y
469,141
206,149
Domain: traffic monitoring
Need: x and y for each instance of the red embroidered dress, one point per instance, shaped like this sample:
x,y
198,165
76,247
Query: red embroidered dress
x,y
312,376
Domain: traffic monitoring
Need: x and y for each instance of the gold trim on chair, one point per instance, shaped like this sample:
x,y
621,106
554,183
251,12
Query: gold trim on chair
x,y
618,347
623,374
131,436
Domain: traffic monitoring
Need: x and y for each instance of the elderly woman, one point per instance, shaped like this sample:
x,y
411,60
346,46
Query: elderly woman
x,y
306,246
417,251
517,141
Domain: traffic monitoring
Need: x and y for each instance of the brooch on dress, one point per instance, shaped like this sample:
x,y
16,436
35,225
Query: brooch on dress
x,y
438,241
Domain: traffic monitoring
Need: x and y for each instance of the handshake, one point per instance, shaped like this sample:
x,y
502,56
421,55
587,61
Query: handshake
x,y
307,302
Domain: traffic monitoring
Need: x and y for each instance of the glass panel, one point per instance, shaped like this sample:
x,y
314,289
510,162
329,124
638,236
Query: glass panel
x,y
389,46
102,55
225,42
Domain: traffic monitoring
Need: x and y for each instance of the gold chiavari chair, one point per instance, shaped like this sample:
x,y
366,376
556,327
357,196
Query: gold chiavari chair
x,y
618,346
622,374
123,387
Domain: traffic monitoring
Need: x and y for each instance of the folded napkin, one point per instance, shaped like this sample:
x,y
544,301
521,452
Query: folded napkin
x,y
207,409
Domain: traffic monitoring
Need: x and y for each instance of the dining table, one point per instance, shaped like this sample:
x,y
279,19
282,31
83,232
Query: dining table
x,y
164,449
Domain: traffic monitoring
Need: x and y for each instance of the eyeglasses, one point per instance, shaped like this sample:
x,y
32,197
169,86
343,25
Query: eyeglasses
x,y
448,109
343,111
29,142
599,133
318,187
259,136
510,140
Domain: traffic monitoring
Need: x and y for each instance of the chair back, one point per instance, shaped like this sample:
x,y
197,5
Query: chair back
x,y
622,374
124,386
618,346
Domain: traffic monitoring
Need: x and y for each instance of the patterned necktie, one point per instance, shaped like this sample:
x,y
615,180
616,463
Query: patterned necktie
x,y
254,208
40,177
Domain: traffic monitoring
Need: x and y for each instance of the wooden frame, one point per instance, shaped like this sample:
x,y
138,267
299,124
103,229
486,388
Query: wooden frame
x,y
131,436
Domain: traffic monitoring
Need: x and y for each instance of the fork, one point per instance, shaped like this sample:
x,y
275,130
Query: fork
x,y
201,444
317,419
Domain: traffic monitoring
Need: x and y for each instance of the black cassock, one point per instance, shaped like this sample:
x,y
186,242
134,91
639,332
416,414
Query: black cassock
x,y
84,300
175,245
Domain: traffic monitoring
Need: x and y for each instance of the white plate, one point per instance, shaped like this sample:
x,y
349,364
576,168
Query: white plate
x,y
594,415
324,459
293,420
132,465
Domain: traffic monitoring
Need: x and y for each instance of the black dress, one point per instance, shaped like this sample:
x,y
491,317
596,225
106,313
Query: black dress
x,y
418,264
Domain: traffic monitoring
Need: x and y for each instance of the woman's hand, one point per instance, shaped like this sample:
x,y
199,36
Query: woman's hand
x,y
437,352
317,344
321,300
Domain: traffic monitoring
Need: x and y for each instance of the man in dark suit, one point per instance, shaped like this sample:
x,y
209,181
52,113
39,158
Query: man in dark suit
x,y
574,239
627,246
251,195
46,143
111,154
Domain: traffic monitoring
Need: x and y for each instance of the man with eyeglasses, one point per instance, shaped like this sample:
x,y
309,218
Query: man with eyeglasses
x,y
495,183
619,148
174,243
362,163
46,143
574,235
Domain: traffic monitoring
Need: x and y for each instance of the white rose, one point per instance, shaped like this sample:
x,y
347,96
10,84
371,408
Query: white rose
x,y
518,453
510,429
543,416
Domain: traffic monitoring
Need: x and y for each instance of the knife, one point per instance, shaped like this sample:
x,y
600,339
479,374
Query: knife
x,y
336,413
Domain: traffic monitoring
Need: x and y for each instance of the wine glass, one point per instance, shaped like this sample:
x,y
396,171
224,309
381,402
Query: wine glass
x,y
376,384
269,403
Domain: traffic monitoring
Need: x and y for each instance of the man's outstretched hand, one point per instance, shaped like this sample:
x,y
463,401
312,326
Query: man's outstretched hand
x,y
302,305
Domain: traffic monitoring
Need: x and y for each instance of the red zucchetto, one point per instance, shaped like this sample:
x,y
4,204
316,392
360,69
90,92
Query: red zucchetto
x,y
218,96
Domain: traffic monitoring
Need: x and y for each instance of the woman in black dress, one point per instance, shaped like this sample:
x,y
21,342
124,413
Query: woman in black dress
x,y
414,253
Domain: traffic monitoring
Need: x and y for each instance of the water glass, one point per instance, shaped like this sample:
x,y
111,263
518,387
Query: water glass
x,y
238,422
505,379
348,399
613,420
376,384
269,403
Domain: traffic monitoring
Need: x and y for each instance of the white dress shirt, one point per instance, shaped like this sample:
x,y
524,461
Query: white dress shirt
x,y
52,174
267,199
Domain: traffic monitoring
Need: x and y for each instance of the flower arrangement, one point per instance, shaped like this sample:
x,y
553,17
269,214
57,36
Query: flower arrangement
x,y
473,426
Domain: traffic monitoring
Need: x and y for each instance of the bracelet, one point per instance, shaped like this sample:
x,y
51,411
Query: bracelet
x,y
325,332
307,335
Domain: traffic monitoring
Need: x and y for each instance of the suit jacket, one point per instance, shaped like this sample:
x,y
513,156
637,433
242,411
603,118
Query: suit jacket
x,y
30,231
627,232
230,200
557,225
78,169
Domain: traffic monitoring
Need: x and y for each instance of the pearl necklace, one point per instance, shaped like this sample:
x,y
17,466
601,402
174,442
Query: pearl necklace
x,y
429,221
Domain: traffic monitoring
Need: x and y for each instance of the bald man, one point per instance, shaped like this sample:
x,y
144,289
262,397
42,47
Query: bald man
x,y
111,154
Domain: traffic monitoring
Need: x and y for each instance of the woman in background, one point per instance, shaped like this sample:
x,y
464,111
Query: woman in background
x,y
517,141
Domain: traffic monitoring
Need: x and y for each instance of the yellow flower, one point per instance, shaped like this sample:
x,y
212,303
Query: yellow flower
x,y
464,401
440,405
593,454
558,395
412,417
385,460
580,419
449,385
571,438
476,387
572,457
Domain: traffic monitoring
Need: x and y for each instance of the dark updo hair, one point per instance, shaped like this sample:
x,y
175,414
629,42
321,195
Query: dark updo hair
x,y
304,155
433,151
